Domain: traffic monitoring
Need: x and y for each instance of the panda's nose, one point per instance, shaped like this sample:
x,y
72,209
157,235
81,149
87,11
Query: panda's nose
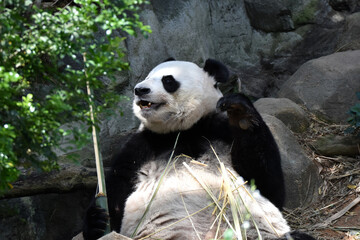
x,y
140,91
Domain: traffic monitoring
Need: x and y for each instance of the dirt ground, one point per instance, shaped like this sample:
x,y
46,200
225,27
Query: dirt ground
x,y
336,214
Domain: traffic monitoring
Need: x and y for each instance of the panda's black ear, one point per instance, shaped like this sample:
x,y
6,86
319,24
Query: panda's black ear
x,y
169,59
216,69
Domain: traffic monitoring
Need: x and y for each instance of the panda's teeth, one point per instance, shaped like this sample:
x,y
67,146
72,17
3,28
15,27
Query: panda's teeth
x,y
145,104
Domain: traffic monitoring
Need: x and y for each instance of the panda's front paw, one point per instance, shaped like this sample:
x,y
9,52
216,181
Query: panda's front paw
x,y
96,221
241,112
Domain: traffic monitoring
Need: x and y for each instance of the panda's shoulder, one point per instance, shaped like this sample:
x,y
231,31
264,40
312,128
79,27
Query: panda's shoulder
x,y
131,148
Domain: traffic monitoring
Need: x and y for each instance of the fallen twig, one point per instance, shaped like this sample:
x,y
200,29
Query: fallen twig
x,y
338,214
343,228
337,159
345,175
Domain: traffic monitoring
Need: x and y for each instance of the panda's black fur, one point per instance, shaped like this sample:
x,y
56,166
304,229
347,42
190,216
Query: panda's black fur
x,y
241,134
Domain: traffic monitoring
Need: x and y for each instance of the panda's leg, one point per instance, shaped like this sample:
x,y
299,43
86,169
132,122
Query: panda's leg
x,y
255,155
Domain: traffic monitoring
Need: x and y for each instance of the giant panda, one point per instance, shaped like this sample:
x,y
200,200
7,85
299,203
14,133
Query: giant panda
x,y
168,179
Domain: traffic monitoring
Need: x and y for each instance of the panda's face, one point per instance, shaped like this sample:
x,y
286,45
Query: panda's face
x,y
174,96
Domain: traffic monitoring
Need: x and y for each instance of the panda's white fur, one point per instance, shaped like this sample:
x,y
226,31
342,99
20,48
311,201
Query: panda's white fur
x,y
180,194
183,108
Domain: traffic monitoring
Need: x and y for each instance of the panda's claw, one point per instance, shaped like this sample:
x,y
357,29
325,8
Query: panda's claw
x,y
240,110
97,219
234,102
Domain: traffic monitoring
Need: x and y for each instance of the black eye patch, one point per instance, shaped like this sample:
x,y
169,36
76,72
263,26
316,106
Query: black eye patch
x,y
170,84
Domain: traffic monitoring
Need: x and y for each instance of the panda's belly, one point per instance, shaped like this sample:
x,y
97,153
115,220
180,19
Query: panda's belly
x,y
182,209
177,195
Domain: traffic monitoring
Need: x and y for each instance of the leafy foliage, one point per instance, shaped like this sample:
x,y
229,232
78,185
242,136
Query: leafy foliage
x,y
354,118
57,50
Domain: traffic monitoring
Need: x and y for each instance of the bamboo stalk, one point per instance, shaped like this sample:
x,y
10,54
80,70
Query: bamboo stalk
x,y
98,158
100,197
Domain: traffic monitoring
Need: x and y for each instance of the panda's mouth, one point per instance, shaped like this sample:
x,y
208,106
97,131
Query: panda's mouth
x,y
148,105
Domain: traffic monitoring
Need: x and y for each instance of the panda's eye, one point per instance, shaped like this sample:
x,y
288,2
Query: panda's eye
x,y
170,84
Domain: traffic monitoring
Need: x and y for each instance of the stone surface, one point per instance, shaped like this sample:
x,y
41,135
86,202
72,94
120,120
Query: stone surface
x,y
301,176
345,5
48,216
68,178
194,31
327,85
350,39
110,236
291,114
47,205
337,145
269,16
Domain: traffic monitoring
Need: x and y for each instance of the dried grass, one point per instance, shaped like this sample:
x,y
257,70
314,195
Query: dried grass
x,y
340,186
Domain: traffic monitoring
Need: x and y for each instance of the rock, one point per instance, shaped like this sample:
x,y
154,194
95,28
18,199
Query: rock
x,y
307,12
114,236
327,85
69,177
319,27
220,30
269,16
291,114
350,39
301,176
337,145
111,236
44,216
344,5
224,30
47,205
285,15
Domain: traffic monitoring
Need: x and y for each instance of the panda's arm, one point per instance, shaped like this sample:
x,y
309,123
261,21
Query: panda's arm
x,y
120,182
122,177
255,155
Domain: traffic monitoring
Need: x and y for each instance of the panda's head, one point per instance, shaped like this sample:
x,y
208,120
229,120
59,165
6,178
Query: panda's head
x,y
177,94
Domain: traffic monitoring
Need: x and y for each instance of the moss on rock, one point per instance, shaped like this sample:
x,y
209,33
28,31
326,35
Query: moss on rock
x,y
307,14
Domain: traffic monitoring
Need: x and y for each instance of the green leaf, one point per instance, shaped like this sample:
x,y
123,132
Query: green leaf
x,y
43,49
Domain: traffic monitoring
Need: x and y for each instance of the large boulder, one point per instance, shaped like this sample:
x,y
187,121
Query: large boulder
x,y
291,114
301,175
326,85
